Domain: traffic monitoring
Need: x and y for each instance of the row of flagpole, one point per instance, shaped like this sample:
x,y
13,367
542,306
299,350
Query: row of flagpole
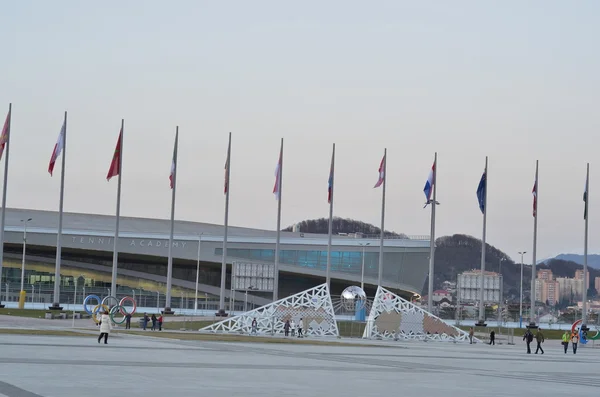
x,y
430,191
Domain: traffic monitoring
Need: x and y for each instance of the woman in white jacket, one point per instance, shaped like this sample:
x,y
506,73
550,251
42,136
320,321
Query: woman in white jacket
x,y
104,327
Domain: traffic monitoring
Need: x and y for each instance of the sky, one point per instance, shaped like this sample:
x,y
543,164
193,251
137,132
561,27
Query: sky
x,y
515,81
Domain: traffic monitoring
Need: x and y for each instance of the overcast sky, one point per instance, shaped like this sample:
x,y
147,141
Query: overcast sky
x,y
516,81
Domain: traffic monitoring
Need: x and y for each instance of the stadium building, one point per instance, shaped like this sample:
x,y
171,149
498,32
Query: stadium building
x,y
87,245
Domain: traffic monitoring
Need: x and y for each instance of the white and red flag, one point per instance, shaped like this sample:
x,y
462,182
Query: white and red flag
x,y
534,192
5,134
115,164
58,148
381,173
277,187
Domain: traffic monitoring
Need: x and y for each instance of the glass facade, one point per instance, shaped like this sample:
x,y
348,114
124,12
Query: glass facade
x,y
341,261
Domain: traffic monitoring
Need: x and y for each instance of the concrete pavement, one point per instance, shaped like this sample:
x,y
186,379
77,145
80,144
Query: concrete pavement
x,y
32,366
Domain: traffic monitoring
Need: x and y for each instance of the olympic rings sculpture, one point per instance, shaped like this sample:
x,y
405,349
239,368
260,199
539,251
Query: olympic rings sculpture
x,y
113,309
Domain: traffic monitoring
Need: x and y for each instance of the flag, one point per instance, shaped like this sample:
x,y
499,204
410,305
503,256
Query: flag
x,y
58,148
115,164
381,173
277,187
428,189
172,176
330,182
226,179
534,192
4,136
585,199
481,192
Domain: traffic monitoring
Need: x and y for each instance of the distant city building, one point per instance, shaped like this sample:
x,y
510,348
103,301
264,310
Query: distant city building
x,y
449,286
469,286
547,291
570,288
579,274
597,284
545,274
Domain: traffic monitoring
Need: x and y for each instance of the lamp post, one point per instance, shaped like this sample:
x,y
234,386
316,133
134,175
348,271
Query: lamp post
x,y
521,293
23,293
362,268
157,299
197,274
32,296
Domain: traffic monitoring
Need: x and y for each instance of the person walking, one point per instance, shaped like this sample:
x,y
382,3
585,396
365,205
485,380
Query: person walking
x,y
300,328
539,337
575,340
493,338
160,321
153,318
104,327
293,327
145,321
128,321
471,333
565,340
286,327
528,338
254,326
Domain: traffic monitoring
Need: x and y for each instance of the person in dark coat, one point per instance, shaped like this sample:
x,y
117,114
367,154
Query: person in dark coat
x,y
153,318
286,327
493,338
528,338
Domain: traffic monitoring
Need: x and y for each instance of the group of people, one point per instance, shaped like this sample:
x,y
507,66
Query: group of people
x,y
157,322
572,337
528,337
289,326
106,326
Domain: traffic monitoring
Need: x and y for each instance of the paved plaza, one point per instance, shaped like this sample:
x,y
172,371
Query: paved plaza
x,y
72,366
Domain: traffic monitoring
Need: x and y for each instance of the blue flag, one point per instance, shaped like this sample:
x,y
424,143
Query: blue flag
x,y
481,192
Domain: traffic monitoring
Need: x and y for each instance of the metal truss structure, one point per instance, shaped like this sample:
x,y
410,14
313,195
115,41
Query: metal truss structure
x,y
392,317
313,306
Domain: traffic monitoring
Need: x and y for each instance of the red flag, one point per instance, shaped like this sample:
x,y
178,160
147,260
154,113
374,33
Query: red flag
x,y
381,173
226,178
115,164
58,148
4,136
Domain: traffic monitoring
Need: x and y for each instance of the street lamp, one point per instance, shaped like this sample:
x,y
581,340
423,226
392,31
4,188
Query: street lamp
x,y
157,300
362,268
23,293
521,293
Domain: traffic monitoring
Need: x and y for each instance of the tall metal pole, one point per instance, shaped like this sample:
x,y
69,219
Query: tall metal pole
x,y
113,282
586,283
276,270
534,253
197,274
521,292
380,275
6,130
56,302
432,239
481,294
170,260
330,231
226,229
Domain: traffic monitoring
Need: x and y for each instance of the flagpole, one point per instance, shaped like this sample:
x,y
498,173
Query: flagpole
x,y
534,252
113,283
586,283
328,273
380,275
224,258
481,295
3,215
276,270
56,301
432,238
170,260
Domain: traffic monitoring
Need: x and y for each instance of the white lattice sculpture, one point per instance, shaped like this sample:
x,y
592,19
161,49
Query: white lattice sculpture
x,y
396,318
313,306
